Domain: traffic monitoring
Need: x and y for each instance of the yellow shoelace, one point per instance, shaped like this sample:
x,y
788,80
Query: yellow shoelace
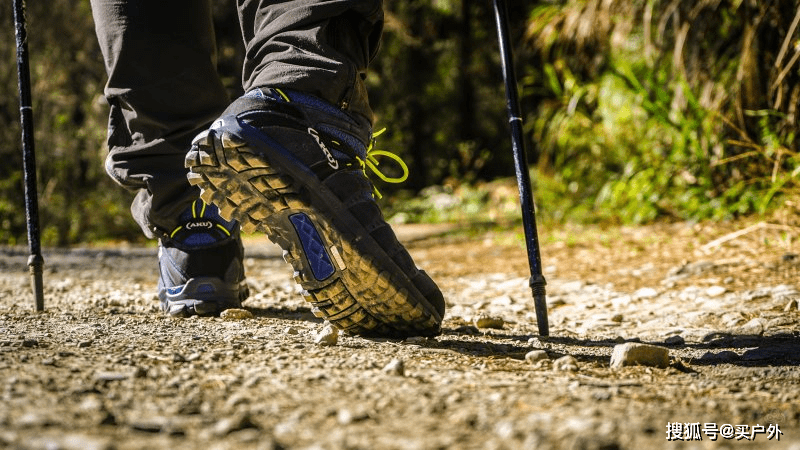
x,y
371,162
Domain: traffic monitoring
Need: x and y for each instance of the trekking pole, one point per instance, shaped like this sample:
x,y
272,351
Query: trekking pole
x,y
35,261
537,281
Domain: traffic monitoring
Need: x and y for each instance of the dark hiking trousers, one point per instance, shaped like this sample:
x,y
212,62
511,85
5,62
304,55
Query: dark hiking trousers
x,y
163,88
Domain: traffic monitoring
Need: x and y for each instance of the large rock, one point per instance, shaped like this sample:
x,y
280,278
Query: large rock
x,y
634,353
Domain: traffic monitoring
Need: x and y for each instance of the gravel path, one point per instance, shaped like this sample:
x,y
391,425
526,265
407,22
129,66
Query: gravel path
x,y
709,313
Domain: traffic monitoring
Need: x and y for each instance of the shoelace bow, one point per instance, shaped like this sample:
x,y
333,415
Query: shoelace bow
x,y
371,162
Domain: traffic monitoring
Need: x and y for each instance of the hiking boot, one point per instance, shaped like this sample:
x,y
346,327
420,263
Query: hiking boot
x,y
294,167
200,264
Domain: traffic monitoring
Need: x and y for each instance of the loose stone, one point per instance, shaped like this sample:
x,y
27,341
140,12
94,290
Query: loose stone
x,y
235,314
645,293
675,339
228,425
395,367
486,321
536,355
725,356
631,353
755,327
716,291
328,336
566,364
111,376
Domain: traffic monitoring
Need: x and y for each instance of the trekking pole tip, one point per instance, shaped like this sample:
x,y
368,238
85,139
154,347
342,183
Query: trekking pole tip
x,y
540,303
36,264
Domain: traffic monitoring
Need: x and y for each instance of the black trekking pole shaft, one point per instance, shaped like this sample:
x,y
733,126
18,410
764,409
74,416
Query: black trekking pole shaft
x,y
537,281
35,260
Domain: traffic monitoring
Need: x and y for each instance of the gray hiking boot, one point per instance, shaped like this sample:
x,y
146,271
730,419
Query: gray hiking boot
x,y
293,166
200,264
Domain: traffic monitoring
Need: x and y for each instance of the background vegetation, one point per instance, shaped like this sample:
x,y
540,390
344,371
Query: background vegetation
x,y
636,110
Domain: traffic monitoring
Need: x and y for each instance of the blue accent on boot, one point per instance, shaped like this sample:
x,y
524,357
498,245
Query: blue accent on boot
x,y
313,247
201,264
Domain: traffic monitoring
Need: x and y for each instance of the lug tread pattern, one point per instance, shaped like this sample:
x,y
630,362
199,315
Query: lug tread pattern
x,y
361,299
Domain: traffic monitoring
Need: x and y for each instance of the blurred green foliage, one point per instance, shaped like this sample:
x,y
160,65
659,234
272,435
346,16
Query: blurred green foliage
x,y
650,109
634,111
77,201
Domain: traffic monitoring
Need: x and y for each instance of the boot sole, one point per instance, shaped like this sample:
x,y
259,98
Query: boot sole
x,y
346,276
202,296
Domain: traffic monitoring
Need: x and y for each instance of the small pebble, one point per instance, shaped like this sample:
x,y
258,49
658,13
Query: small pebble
x,y
566,364
346,417
395,367
228,425
34,419
791,306
716,291
72,441
645,293
111,376
755,327
467,329
150,425
486,321
235,314
675,339
328,336
536,355
631,353
724,356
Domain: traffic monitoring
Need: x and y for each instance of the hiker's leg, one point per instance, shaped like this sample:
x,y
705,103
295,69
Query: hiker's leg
x,y
162,90
319,48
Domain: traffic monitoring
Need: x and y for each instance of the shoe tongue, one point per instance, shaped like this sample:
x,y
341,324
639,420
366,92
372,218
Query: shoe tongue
x,y
309,111
246,104
351,142
201,226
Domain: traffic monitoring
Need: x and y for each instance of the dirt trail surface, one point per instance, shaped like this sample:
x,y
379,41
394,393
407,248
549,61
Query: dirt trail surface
x,y
102,369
